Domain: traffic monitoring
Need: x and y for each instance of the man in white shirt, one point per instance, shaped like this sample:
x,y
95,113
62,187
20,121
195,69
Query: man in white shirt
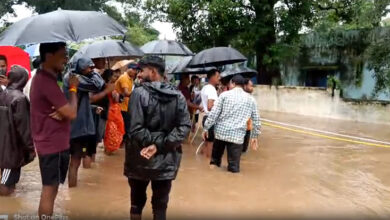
x,y
209,97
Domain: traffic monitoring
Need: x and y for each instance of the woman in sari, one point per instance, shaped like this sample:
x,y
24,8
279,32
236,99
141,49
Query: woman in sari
x,y
115,127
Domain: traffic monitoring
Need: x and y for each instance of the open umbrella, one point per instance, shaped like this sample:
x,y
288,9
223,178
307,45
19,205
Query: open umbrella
x,y
108,49
121,64
166,47
217,56
61,26
181,68
14,56
33,50
246,72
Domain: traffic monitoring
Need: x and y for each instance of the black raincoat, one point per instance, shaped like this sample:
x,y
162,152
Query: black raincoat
x,y
16,145
158,115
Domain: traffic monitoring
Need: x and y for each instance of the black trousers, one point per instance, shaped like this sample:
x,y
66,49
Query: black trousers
x,y
234,155
160,197
126,120
246,141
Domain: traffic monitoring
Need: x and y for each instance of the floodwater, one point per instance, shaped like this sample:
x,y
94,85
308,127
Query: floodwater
x,y
292,175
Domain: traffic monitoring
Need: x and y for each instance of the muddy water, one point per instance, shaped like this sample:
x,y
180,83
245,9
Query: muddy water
x,y
292,175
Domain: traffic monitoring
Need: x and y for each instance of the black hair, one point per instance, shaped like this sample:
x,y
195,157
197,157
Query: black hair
x,y
211,73
160,69
107,74
36,62
194,77
247,80
155,62
2,57
239,80
46,48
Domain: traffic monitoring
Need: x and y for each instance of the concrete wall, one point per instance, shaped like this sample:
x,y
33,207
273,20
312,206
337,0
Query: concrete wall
x,y
319,103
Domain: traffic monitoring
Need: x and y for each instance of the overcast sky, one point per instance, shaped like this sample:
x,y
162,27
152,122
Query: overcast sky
x,y
165,29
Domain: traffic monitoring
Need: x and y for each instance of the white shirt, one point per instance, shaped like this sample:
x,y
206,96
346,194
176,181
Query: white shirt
x,y
27,88
3,87
230,116
208,93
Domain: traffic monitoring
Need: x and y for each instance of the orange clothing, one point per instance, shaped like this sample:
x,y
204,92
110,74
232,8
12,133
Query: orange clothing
x,y
124,82
115,127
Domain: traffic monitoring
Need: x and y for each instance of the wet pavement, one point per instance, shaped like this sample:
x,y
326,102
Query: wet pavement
x,y
292,175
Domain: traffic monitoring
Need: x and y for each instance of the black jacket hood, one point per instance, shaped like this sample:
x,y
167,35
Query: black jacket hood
x,y
17,78
163,91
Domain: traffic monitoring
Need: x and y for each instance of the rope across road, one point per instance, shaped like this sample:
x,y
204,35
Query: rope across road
x,y
325,134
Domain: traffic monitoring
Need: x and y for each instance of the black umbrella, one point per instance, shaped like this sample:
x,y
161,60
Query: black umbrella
x,y
61,26
217,56
166,47
181,68
108,49
228,74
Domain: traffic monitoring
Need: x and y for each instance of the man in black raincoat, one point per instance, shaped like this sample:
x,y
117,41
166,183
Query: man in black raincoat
x,y
16,144
159,122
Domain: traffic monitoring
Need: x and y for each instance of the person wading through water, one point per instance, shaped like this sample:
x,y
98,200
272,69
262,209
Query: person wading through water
x,y
159,122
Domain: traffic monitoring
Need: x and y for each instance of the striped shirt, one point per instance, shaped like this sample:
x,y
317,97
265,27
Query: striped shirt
x,y
231,114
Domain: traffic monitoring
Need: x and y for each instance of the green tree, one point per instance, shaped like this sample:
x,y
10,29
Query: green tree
x,y
251,26
269,29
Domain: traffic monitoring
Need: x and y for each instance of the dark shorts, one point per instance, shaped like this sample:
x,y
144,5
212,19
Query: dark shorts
x,y
54,168
196,118
83,146
211,131
10,177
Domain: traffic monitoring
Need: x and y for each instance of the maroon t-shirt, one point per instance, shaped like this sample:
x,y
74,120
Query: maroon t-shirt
x,y
49,135
185,91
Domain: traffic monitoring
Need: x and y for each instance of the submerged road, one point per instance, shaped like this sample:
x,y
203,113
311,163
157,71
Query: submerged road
x,y
292,175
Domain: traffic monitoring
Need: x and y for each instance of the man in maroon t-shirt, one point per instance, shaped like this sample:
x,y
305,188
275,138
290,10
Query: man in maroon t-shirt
x,y
183,87
51,114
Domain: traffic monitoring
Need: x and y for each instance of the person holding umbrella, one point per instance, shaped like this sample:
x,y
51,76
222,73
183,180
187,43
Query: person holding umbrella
x,y
124,86
83,127
209,97
230,116
51,114
183,87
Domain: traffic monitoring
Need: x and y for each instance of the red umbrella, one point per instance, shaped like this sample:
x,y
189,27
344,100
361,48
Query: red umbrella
x,y
15,55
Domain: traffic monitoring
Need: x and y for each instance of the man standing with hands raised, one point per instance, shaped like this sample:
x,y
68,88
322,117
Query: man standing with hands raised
x,y
159,122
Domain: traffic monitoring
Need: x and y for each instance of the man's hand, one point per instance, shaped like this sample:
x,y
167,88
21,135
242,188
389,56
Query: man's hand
x,y
99,110
205,135
73,81
56,115
254,144
200,108
149,152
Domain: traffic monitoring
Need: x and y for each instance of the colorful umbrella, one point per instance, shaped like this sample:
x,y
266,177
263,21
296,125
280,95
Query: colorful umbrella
x,y
15,55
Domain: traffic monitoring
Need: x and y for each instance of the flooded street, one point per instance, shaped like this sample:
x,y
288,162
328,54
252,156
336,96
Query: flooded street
x,y
292,175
